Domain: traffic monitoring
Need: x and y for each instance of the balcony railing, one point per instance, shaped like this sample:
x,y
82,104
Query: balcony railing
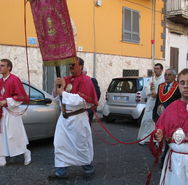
x,y
177,11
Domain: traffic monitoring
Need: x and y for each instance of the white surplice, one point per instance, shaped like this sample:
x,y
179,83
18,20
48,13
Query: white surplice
x,y
73,138
147,123
13,138
178,173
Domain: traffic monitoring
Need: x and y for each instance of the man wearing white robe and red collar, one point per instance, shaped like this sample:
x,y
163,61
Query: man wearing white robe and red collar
x,y
13,138
168,92
173,126
73,138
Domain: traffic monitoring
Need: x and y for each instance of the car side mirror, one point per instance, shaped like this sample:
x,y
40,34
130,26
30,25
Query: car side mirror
x,y
47,101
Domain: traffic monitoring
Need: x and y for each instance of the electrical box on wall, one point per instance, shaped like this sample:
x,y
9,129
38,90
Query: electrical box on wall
x,y
98,2
80,48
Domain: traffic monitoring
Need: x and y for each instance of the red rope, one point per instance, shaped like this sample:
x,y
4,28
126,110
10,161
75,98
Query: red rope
x,y
26,46
113,137
156,152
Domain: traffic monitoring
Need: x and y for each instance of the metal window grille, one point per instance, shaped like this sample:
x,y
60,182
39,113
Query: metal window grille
x,y
131,31
130,72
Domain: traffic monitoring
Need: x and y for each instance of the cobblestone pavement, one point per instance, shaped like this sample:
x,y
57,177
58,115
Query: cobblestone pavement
x,y
115,164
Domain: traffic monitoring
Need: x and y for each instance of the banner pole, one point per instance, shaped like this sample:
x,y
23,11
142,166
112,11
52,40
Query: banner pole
x,y
58,71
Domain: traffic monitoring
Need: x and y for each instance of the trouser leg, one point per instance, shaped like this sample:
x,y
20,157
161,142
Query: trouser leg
x,y
90,115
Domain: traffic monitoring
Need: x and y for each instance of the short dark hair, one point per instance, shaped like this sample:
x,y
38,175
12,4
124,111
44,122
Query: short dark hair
x,y
158,64
183,72
9,63
81,61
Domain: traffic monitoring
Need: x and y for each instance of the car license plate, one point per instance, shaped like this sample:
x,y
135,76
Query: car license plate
x,y
121,98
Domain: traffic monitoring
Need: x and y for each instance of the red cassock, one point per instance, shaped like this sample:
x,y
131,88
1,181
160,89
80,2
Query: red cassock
x,y
12,88
174,123
83,86
175,116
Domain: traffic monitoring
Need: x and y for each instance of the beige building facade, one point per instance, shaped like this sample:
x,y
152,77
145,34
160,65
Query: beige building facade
x,y
111,36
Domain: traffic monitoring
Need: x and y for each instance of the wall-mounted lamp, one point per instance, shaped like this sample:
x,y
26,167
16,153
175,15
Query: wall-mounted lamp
x,y
98,2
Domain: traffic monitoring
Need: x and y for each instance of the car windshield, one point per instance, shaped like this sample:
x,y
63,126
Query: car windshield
x,y
123,86
34,93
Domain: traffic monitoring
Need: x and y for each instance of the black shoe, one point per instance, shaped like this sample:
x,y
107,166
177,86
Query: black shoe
x,y
89,170
60,173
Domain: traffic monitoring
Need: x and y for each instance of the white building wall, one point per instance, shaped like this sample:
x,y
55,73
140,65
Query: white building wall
x,y
177,41
107,66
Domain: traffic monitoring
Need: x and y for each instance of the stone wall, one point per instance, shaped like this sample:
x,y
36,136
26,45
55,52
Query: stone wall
x,y
18,56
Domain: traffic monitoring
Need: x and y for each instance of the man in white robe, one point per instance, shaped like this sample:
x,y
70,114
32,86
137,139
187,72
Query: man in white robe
x,y
73,138
147,123
13,138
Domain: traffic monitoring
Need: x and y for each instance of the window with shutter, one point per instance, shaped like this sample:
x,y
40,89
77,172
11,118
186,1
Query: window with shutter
x,y
174,58
131,25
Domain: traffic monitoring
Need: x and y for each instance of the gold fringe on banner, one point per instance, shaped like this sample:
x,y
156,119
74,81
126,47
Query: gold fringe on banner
x,y
60,62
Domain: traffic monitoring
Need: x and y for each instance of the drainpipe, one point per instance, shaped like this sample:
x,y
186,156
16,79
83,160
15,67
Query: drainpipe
x,y
153,33
94,64
153,43
94,42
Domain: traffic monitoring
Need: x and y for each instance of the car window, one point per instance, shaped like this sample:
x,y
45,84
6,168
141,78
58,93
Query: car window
x,y
34,93
140,84
123,86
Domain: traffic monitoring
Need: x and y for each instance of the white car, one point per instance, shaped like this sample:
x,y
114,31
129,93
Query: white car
x,y
41,115
125,98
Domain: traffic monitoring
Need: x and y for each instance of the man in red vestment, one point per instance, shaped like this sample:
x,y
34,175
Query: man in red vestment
x,y
13,138
173,126
73,138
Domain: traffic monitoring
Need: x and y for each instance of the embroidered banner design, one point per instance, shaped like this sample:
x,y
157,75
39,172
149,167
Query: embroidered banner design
x,y
54,31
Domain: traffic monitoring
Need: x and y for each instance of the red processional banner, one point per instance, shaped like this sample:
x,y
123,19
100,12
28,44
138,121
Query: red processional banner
x,y
54,31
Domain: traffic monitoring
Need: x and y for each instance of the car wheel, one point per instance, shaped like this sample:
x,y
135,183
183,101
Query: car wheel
x,y
108,119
